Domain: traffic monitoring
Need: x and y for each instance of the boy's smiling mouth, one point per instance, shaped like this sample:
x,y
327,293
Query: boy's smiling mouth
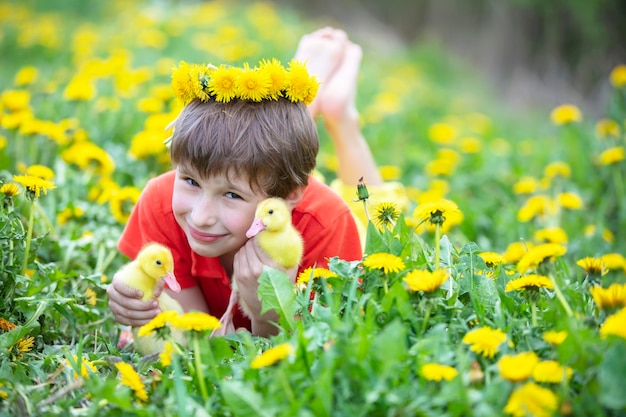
x,y
204,237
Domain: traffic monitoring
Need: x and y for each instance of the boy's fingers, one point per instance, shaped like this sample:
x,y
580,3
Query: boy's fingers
x,y
125,290
159,288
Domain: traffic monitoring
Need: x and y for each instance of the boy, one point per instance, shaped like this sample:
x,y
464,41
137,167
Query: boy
x,y
228,157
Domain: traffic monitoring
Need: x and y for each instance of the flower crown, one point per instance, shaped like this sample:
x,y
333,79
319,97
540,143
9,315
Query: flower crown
x,y
267,81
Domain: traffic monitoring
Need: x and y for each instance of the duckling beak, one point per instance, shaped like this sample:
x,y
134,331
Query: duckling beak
x,y
171,282
257,226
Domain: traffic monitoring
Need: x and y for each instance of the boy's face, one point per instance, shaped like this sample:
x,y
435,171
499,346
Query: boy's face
x,y
214,213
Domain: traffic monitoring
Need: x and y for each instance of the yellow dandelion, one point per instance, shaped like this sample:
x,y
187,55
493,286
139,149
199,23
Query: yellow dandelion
x,y
10,189
442,133
615,325
609,298
470,145
526,185
197,321
166,355
385,261
565,114
554,337
535,206
612,155
130,378
515,250
536,255
618,76
592,265
551,235
551,372
223,83
86,367
34,185
517,368
529,282
40,171
607,127
614,261
435,212
272,355
182,84
90,297
438,372
80,88
569,200
277,76
491,259
253,84
557,169
122,202
6,325
385,214
484,340
301,86
310,272
533,400
426,281
25,344
15,100
159,321
26,76
390,172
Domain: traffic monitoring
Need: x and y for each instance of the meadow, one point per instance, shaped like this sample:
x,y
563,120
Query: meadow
x,y
498,290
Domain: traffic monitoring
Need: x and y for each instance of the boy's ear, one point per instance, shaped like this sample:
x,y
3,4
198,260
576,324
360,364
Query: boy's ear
x,y
294,197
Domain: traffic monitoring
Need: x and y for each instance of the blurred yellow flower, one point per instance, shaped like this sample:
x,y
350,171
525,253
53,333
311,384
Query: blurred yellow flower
x,y
528,282
89,157
80,88
69,213
442,133
150,105
555,337
426,281
197,321
592,265
34,185
40,171
86,366
438,372
551,235
15,100
122,201
390,172
551,372
10,189
538,254
515,250
385,261
618,76
569,200
470,145
90,297
607,127
609,298
612,155
565,114
166,355
526,185
614,261
516,368
533,400
26,76
557,169
130,378
272,355
6,325
159,321
535,206
485,341
615,325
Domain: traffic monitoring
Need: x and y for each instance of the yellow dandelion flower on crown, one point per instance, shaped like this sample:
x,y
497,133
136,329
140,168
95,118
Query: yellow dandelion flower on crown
x,y
267,81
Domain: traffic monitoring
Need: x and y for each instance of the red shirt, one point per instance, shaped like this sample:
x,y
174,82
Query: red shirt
x,y
323,219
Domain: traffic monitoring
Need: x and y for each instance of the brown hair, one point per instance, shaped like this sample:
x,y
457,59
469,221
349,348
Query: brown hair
x,y
273,142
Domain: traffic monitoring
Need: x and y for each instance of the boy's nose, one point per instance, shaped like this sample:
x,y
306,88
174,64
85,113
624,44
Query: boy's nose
x,y
205,212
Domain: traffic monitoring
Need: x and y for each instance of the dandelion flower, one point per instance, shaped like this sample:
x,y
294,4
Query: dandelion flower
x,y
308,273
485,341
158,322
442,133
526,185
592,266
197,321
609,298
6,325
557,169
569,200
90,297
301,86
40,171
390,172
555,337
535,206
437,372
435,212
26,76
122,201
386,214
15,100
551,372
277,77
166,355
612,155
565,114
385,261
272,355
491,259
614,261
10,189
618,76
539,254
34,185
515,250
516,368
253,84
607,127
426,281
130,378
529,282
25,344
86,367
615,325
531,399
551,235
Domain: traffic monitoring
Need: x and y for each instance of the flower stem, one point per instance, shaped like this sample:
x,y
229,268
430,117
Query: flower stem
x,y
426,317
533,312
561,297
29,236
437,244
199,371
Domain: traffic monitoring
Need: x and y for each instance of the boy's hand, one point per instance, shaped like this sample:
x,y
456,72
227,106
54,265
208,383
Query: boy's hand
x,y
126,305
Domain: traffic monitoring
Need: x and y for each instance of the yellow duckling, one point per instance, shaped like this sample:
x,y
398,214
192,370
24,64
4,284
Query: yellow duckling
x,y
277,237
154,263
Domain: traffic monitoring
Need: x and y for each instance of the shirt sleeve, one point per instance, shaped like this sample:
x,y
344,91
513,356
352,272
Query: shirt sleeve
x,y
152,220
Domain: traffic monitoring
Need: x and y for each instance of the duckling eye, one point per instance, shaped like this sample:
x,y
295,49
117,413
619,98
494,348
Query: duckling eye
x,y
270,211
158,262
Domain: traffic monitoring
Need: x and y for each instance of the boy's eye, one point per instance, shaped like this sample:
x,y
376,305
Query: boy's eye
x,y
192,182
232,195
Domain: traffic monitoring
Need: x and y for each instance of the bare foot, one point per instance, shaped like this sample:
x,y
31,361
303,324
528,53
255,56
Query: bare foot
x,y
337,97
321,51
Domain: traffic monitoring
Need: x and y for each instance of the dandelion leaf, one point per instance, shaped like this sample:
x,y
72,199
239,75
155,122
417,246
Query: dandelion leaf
x,y
242,401
612,377
276,292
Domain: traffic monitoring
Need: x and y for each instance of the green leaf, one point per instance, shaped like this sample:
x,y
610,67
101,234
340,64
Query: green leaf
x,y
276,292
242,401
10,338
612,376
